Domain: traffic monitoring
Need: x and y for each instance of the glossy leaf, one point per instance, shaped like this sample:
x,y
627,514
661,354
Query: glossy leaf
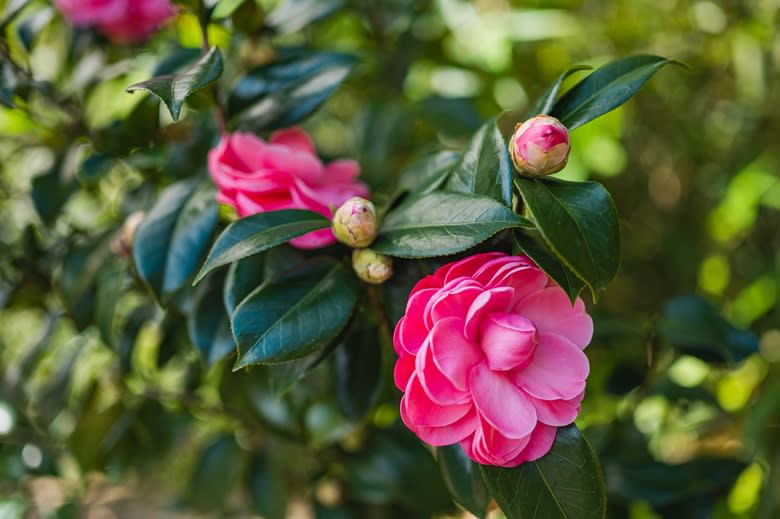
x,y
174,235
442,223
295,313
260,232
695,327
243,277
208,323
485,167
531,243
566,483
285,92
463,479
428,173
357,373
52,190
605,89
173,89
293,15
579,223
546,101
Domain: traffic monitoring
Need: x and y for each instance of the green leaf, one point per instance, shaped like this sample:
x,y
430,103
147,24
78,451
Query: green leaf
x,y
293,15
294,313
243,277
463,479
545,102
52,190
259,232
695,327
428,173
285,92
173,89
531,243
110,281
266,489
485,167
607,88
217,470
579,222
442,223
174,235
208,323
10,11
225,8
566,483
357,373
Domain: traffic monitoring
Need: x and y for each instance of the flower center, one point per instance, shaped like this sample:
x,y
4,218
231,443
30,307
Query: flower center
x,y
508,340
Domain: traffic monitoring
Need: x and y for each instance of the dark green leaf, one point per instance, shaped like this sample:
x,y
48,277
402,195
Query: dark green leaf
x,y
579,222
208,323
10,11
32,26
51,190
566,483
485,167
225,8
77,278
217,469
463,479
607,88
174,89
442,223
532,244
260,232
285,92
174,235
280,378
428,173
293,15
357,373
266,489
695,327
545,102
110,282
242,278
295,313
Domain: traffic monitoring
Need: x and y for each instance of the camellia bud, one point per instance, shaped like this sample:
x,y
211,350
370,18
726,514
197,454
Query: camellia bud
x,y
372,267
540,146
122,244
354,223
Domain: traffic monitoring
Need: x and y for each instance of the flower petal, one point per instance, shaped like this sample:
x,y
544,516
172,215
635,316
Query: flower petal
x,y
467,266
295,139
314,239
302,165
452,353
558,370
557,412
437,386
421,410
540,443
508,340
491,445
404,368
502,404
448,435
551,311
493,300
342,171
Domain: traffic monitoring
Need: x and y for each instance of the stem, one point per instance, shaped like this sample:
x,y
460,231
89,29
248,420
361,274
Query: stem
x,y
219,112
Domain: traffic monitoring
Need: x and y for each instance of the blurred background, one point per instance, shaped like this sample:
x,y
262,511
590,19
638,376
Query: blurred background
x,y
683,403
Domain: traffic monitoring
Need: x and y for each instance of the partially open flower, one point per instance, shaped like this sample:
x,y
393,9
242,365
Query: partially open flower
x,y
354,223
540,146
372,267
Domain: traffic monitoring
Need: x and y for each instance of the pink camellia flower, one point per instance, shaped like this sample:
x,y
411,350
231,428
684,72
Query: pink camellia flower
x,y
255,176
540,146
120,20
490,357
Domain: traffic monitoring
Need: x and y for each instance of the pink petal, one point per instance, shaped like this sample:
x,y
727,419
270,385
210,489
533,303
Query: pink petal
x,y
342,171
314,240
501,263
437,386
490,444
508,340
542,439
421,410
551,311
557,372
302,165
452,302
467,266
295,139
447,435
502,404
404,368
412,330
453,354
493,300
557,412
242,151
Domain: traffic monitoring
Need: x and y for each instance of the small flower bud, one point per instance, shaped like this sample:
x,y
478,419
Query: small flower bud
x,y
372,267
540,146
122,244
354,223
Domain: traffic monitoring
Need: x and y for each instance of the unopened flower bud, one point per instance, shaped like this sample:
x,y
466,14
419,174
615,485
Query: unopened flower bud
x,y
354,223
122,244
540,146
372,267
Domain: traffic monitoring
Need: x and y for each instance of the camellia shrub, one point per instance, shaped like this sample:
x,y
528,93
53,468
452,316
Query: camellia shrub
x,y
219,300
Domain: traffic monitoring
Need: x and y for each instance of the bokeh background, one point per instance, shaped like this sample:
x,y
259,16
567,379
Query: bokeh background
x,y
683,403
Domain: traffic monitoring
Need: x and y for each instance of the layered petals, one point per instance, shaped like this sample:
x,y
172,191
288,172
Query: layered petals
x,y
255,176
123,21
490,357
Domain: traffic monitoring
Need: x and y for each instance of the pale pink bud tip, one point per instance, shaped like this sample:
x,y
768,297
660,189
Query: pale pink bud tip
x,y
372,267
540,146
355,223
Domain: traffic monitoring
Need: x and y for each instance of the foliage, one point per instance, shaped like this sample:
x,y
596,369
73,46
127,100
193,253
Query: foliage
x,y
201,359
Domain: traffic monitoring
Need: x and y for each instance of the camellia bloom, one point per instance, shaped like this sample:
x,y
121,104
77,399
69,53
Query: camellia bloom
x,y
540,146
490,357
255,176
120,20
